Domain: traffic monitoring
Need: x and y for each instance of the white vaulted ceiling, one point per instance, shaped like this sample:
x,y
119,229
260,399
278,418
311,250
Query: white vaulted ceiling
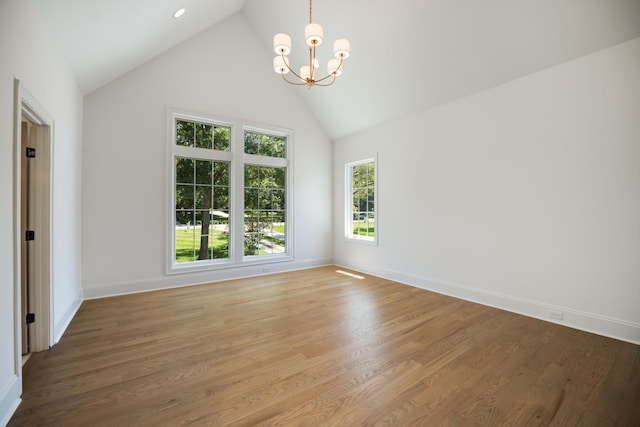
x,y
103,39
407,55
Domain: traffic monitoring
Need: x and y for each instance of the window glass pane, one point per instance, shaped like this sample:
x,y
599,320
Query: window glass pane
x,y
219,236
251,199
195,218
264,196
204,172
204,199
185,133
184,196
280,178
221,173
370,174
265,145
278,199
362,200
267,177
250,244
364,226
204,135
264,210
221,197
251,143
184,237
184,217
221,137
251,230
273,146
203,220
251,176
370,200
184,170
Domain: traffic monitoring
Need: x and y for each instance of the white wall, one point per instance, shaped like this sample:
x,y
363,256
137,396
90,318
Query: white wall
x,y
525,196
27,53
222,72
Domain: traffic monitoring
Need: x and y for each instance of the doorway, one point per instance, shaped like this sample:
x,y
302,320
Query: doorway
x,y
27,209
33,198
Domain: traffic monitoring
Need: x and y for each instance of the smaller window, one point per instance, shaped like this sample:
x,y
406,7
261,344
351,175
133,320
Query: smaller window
x,y
261,144
202,135
360,200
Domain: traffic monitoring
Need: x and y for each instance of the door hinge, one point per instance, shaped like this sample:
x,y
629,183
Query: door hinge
x,y
31,317
29,235
31,152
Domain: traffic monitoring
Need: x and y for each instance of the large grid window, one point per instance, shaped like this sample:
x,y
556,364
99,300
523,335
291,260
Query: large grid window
x,y
229,193
202,210
201,192
265,191
360,202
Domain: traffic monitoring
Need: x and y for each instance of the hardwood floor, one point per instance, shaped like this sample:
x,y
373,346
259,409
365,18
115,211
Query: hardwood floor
x,y
320,348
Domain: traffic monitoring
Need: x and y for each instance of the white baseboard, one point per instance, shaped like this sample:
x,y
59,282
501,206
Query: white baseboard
x,y
195,278
588,322
10,399
62,325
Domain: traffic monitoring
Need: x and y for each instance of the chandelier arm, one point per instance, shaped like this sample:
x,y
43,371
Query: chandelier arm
x,y
332,74
291,70
317,82
293,83
325,78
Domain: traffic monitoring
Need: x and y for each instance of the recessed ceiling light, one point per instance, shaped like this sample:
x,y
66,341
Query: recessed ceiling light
x,y
178,13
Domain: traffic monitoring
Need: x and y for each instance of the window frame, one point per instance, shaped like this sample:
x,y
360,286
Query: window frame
x,y
348,199
275,162
237,159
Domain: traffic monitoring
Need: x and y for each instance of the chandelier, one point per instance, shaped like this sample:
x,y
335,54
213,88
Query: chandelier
x,y
308,73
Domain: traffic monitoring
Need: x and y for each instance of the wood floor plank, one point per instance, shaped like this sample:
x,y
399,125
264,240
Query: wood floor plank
x,y
320,348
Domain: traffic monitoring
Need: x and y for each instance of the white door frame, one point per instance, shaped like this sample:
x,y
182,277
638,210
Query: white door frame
x,y
25,104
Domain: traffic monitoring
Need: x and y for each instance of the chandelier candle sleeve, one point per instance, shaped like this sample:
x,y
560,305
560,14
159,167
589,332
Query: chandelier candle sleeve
x,y
313,35
279,65
282,43
342,48
305,72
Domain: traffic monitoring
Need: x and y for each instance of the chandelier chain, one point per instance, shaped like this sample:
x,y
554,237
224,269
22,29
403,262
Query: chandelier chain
x,y
310,21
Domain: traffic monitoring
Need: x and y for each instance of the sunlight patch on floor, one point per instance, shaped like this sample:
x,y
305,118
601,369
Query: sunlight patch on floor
x,y
346,273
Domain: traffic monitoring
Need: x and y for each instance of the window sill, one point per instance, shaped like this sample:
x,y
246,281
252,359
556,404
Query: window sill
x,y
248,261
